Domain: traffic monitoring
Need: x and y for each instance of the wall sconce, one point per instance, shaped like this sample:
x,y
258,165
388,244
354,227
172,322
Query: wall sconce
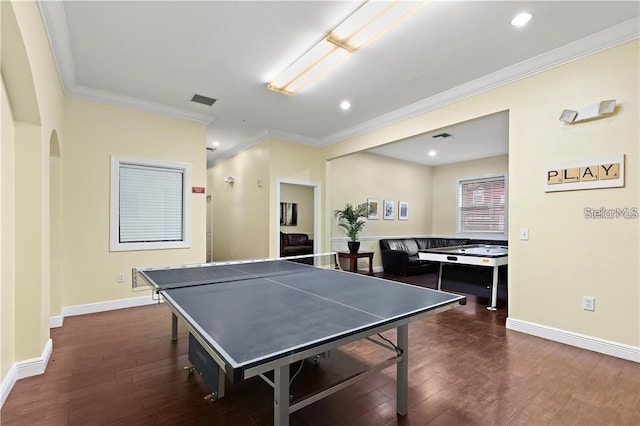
x,y
229,180
590,112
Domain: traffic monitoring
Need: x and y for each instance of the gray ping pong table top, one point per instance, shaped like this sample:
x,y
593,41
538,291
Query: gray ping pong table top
x,y
251,320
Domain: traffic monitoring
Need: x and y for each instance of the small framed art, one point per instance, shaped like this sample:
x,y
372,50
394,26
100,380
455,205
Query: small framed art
x,y
389,206
373,208
403,210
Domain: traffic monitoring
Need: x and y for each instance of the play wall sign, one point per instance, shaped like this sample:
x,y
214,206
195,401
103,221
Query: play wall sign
x,y
603,172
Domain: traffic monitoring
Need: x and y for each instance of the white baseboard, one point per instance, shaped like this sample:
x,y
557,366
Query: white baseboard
x,y
91,308
56,321
35,366
7,384
607,347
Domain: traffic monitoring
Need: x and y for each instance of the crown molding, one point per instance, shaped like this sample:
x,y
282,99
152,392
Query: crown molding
x,y
56,26
606,39
294,137
257,138
55,23
135,103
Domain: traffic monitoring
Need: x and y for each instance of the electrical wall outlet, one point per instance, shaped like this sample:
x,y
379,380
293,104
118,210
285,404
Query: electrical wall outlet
x,y
588,303
524,234
120,277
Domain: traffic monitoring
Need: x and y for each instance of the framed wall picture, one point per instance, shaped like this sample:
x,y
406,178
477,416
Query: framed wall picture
x,y
403,210
389,213
373,208
288,214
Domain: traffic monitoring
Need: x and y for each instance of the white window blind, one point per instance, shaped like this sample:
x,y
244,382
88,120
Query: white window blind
x,y
482,205
150,204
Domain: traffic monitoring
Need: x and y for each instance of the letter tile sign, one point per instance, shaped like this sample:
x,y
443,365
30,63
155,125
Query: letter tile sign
x,y
603,172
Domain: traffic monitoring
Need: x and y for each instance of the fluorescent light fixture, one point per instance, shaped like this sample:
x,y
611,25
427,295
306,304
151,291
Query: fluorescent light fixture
x,y
363,26
371,20
345,105
319,60
589,112
521,19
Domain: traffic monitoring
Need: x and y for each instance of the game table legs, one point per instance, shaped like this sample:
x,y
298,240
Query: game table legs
x,y
402,375
174,327
281,396
493,303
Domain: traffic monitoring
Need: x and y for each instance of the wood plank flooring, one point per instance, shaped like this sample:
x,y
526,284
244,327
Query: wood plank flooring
x,y
465,368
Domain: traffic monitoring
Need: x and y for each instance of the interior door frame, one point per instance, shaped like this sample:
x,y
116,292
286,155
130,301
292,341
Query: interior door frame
x,y
316,210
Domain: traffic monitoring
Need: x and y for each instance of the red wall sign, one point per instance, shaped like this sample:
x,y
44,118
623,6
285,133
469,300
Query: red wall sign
x,y
197,189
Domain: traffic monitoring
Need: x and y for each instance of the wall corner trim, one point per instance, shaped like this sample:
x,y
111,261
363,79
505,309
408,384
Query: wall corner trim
x,y
607,347
56,321
35,366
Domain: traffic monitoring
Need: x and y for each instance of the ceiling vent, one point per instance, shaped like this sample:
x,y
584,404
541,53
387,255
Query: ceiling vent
x,y
205,100
442,135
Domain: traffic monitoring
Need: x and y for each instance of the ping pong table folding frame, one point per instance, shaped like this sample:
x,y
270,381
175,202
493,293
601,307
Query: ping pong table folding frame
x,y
284,405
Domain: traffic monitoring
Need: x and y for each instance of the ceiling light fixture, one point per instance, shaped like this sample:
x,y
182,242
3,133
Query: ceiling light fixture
x,y
432,153
369,21
521,19
345,105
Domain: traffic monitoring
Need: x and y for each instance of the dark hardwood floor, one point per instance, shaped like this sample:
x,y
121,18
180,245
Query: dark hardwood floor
x,y
465,368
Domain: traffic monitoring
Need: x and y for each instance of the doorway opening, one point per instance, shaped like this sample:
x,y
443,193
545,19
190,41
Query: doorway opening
x,y
297,204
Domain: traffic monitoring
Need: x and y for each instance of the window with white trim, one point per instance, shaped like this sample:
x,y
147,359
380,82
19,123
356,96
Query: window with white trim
x,y
150,204
482,205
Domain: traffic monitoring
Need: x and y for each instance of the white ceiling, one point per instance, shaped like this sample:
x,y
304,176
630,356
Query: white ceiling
x,y
155,55
482,137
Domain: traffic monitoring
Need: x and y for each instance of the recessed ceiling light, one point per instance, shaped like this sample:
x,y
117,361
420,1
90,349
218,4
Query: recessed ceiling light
x,y
215,143
345,105
432,153
521,19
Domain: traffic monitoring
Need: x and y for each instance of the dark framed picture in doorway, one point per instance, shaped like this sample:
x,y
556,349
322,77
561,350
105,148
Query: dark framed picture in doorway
x,y
288,214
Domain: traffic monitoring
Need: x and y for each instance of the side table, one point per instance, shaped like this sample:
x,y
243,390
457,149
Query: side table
x,y
353,259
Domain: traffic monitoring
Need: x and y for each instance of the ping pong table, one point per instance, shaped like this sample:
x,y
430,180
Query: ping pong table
x,y
473,254
248,318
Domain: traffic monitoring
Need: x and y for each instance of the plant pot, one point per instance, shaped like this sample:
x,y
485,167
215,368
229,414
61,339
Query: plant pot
x,y
354,246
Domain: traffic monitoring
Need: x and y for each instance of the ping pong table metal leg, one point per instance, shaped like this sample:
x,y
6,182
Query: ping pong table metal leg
x,y
402,376
281,396
494,291
174,327
440,276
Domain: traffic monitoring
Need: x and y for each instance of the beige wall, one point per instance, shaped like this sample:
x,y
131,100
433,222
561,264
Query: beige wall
x,y
95,132
7,237
303,197
34,97
55,182
240,222
566,256
360,176
246,215
299,163
445,188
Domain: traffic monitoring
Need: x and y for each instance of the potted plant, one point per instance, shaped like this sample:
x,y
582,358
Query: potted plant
x,y
351,219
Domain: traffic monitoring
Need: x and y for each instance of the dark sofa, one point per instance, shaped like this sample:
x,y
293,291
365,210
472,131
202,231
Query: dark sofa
x,y
400,256
295,244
